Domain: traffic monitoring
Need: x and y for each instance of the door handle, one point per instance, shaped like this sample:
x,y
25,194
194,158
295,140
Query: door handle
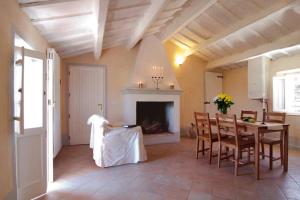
x,y
206,102
101,106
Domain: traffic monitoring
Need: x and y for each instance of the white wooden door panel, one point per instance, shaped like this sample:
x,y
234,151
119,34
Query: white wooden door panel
x,y
57,141
213,86
32,165
87,87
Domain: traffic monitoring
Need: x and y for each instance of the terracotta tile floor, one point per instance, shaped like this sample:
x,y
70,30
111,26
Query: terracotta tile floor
x,y
172,172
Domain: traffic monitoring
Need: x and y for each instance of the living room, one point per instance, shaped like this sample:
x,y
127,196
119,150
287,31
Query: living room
x,y
123,60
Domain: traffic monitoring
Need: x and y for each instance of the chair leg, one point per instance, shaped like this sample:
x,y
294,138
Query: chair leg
x,y
210,151
219,155
271,157
263,150
203,147
197,153
237,160
249,152
241,154
226,152
281,152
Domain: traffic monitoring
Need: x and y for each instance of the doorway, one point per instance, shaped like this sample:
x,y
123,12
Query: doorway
x,y
34,127
213,87
86,97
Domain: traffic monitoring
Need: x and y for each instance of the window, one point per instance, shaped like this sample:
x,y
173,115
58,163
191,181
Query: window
x,y
18,42
286,91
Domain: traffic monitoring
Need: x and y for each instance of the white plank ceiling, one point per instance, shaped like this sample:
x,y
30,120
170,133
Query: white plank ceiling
x,y
222,32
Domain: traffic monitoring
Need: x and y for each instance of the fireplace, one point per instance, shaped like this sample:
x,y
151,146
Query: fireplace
x,y
146,105
154,117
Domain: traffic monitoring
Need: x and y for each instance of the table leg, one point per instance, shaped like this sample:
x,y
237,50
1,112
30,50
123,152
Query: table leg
x,y
286,148
257,140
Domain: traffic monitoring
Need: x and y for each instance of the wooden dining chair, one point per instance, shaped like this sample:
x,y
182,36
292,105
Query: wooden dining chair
x,y
244,131
248,113
227,125
244,114
204,134
273,117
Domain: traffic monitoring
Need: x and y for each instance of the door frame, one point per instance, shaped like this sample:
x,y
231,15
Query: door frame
x,y
69,65
13,194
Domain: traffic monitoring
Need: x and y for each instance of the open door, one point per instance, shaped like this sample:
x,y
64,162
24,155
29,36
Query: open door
x,y
213,87
53,109
30,121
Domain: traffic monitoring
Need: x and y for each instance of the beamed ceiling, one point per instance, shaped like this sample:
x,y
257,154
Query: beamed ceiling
x,y
222,32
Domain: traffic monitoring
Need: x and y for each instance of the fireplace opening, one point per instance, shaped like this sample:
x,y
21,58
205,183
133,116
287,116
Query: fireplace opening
x,y
154,117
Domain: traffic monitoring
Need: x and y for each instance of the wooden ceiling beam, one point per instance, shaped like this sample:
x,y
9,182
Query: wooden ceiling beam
x,y
43,3
187,15
71,44
101,10
48,19
201,56
289,40
67,54
246,23
61,38
152,13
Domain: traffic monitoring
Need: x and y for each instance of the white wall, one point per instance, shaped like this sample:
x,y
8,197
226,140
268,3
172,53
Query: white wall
x,y
151,53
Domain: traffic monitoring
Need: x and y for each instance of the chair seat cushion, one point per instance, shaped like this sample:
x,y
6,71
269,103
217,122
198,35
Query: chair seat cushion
x,y
214,136
246,133
266,140
247,141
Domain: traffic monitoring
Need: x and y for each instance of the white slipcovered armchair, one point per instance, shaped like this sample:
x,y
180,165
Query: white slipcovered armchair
x,y
115,146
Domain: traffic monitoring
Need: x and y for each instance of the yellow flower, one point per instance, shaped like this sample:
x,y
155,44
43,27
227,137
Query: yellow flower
x,y
225,97
221,96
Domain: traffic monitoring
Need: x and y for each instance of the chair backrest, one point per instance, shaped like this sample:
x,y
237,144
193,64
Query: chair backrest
x,y
275,117
227,125
248,113
203,124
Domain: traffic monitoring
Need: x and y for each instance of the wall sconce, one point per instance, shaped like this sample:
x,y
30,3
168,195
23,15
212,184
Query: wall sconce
x,y
179,60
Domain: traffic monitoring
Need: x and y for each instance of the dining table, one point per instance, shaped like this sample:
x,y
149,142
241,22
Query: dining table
x,y
260,128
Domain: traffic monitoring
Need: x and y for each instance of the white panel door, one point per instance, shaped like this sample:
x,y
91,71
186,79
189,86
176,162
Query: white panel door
x,y
54,100
213,86
53,111
87,95
31,142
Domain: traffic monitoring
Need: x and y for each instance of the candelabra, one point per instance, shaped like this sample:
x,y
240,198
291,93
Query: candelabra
x,y
157,80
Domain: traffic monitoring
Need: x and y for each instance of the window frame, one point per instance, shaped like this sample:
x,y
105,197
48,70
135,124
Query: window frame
x,y
283,75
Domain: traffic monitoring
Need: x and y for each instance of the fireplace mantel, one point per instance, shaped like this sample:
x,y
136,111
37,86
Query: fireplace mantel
x,y
152,91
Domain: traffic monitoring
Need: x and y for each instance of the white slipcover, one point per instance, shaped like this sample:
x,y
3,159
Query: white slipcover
x,y
115,146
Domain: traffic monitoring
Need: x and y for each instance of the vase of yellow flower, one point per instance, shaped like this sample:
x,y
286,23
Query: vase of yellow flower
x,y
223,102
